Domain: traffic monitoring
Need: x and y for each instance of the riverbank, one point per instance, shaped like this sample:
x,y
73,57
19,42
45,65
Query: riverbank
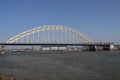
x,y
7,76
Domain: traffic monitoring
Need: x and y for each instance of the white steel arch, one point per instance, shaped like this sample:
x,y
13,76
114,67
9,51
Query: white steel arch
x,y
50,34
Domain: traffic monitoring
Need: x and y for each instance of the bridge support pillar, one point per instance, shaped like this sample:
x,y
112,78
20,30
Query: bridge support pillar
x,y
92,48
106,47
2,50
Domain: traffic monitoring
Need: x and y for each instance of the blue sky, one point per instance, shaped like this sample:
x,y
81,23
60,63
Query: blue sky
x,y
98,19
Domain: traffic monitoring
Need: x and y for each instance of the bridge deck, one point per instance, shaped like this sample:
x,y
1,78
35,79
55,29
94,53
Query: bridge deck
x,y
52,44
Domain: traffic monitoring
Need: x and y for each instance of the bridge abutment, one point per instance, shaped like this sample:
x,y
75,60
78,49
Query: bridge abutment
x,y
97,47
110,46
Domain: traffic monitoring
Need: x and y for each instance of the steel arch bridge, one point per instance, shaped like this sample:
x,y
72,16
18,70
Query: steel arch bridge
x,y
51,34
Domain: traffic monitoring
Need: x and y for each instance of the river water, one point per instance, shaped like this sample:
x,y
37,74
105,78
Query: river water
x,y
62,65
